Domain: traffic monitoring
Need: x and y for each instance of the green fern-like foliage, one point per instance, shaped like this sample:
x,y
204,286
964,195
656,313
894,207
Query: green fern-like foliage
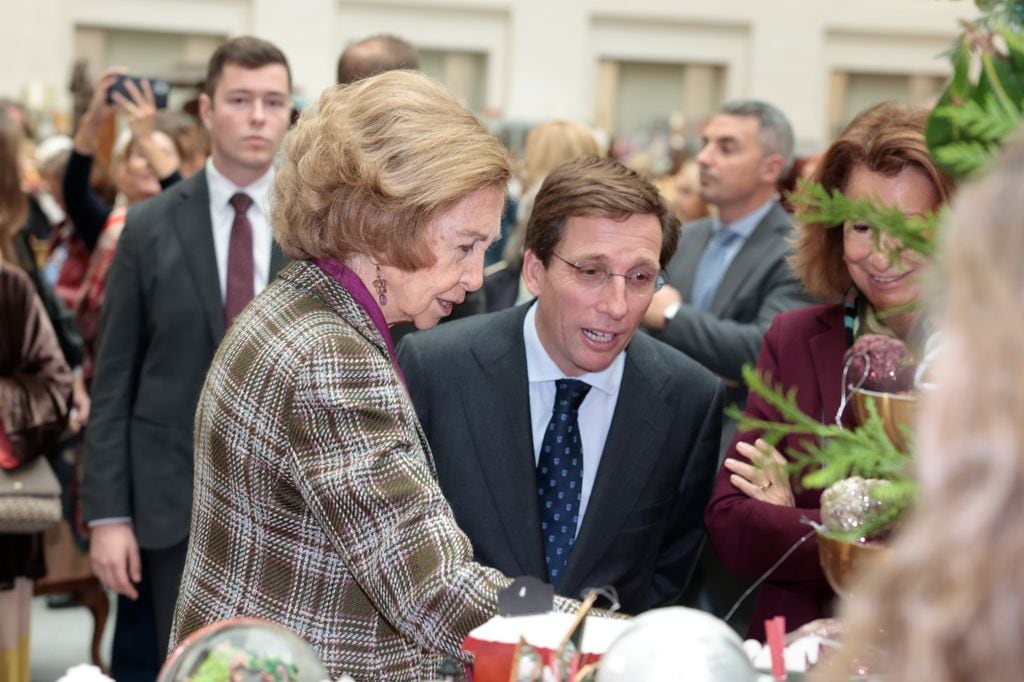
x,y
834,209
1009,13
988,123
977,112
831,453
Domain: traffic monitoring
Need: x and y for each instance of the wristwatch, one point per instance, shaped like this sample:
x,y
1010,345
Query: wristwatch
x,y
671,310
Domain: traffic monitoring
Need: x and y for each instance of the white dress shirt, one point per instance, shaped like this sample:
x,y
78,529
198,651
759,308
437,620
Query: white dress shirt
x,y
595,414
222,216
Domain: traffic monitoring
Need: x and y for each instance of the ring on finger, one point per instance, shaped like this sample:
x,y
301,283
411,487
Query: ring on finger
x,y
765,485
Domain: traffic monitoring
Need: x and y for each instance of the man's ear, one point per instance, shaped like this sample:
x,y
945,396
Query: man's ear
x,y
771,168
534,272
206,110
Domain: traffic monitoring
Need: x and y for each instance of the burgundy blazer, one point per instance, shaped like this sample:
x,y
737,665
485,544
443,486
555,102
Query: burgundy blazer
x,y
802,349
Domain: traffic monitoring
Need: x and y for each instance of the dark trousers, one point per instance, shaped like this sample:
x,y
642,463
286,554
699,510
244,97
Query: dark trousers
x,y
164,567
134,655
143,626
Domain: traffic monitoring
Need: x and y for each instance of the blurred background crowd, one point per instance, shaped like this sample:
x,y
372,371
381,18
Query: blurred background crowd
x,y
553,81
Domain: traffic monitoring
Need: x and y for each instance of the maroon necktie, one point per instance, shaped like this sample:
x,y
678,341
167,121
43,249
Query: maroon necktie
x,y
240,286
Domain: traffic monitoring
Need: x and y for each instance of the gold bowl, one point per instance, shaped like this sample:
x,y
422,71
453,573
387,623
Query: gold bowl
x,y
896,410
843,561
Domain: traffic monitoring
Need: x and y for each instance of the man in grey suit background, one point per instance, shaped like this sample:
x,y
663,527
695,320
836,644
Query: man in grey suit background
x,y
188,261
728,279
729,276
571,448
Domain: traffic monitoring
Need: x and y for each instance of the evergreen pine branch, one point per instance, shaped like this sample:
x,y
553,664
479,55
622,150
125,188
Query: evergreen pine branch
x,y
991,123
833,209
965,158
866,451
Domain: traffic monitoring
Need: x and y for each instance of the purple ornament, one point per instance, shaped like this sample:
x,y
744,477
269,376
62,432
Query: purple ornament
x,y
880,363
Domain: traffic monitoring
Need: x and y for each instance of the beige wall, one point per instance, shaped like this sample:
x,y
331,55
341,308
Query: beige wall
x,y
532,60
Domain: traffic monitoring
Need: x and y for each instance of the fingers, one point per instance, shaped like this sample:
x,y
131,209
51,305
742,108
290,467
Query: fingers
x,y
113,573
122,102
105,82
740,468
115,559
763,476
141,98
764,463
746,487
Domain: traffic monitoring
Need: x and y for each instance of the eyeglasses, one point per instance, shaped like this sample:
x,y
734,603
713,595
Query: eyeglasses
x,y
595,276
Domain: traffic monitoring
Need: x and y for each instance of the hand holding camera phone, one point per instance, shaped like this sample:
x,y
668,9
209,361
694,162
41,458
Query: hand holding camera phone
x,y
160,88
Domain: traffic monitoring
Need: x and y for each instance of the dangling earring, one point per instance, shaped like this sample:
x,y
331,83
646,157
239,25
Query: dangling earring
x,y
382,288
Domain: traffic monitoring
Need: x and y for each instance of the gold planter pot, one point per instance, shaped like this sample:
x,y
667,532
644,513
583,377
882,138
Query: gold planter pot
x,y
895,409
843,561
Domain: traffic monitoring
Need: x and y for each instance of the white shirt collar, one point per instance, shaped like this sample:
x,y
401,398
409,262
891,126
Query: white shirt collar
x,y
221,189
540,367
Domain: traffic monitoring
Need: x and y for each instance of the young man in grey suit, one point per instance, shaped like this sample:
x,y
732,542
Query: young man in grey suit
x,y
188,261
569,447
729,276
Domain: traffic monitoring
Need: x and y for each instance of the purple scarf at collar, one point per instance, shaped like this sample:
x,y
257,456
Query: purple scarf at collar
x,y
351,283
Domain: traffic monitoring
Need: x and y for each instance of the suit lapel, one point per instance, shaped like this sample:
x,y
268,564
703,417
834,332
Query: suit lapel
x,y
752,254
827,350
277,261
683,268
498,399
634,443
195,230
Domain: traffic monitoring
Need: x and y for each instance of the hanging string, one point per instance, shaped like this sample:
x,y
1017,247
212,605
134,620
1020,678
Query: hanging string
x,y
848,389
767,574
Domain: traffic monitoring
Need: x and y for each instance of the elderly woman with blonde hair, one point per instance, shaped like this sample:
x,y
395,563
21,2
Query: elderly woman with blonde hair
x,y
948,603
316,500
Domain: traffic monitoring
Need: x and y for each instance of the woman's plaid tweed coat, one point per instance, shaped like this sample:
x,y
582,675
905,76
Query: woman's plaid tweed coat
x,y
316,503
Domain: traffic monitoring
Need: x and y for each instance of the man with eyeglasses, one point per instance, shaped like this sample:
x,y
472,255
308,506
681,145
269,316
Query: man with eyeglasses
x,y
569,447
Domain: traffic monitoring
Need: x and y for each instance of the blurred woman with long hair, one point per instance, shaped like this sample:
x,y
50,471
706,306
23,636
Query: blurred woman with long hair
x,y
35,385
948,603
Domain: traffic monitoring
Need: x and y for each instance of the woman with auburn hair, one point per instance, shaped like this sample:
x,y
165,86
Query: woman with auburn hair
x,y
316,501
757,509
946,606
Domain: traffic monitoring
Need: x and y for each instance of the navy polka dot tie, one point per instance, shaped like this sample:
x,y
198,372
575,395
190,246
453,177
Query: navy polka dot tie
x,y
560,476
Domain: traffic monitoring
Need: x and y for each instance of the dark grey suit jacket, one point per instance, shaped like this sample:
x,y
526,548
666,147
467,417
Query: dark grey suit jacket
x,y
757,285
643,526
163,318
